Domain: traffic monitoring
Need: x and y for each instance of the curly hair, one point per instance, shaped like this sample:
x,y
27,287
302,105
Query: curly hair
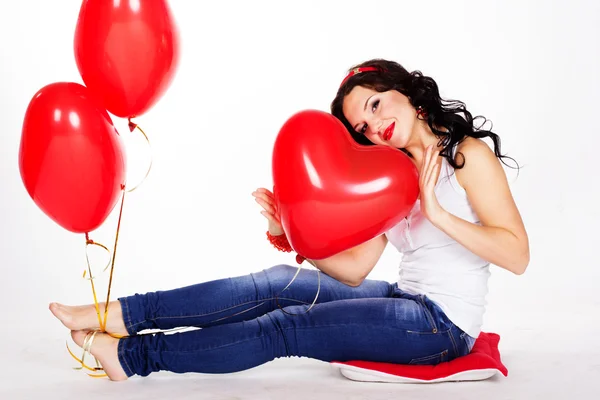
x,y
443,116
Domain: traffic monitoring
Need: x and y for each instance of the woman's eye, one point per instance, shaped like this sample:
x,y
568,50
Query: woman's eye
x,y
363,130
375,105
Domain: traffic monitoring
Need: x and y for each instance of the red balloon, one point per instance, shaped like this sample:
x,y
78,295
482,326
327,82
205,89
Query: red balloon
x,y
127,52
71,157
333,193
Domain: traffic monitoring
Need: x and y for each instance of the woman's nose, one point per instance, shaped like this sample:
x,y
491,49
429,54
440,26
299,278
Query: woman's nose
x,y
377,125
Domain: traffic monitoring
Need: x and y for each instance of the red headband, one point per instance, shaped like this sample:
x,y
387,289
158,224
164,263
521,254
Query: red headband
x,y
358,71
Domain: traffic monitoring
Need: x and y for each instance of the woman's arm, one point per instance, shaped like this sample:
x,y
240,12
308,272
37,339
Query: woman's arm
x,y
501,239
353,265
350,267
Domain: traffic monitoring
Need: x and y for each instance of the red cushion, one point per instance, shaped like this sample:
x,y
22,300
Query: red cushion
x,y
483,362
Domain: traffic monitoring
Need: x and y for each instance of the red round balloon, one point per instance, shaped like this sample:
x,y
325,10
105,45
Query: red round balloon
x,y
71,157
127,52
333,193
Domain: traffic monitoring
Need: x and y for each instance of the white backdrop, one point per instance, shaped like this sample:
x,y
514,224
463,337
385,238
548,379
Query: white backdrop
x,y
531,67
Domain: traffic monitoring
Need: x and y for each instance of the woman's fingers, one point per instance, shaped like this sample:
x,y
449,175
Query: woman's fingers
x,y
431,166
273,220
266,205
270,217
425,165
264,198
435,174
266,192
265,195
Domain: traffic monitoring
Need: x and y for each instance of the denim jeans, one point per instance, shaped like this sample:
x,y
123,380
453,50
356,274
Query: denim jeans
x,y
246,321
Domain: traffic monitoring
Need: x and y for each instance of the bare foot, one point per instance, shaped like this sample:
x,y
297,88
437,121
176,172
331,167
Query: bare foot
x,y
105,349
78,318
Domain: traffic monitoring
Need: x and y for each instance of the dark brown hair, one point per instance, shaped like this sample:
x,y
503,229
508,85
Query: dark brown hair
x,y
449,120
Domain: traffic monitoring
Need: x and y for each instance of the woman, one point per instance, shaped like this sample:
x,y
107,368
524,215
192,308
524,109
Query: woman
x,y
464,220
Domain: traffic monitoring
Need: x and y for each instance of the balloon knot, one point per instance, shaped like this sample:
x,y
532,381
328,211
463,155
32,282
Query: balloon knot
x,y
87,239
132,125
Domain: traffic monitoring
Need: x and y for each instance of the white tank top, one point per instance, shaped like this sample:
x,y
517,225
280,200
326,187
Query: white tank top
x,y
439,267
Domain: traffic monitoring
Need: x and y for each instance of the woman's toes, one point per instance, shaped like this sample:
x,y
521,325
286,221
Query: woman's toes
x,y
63,315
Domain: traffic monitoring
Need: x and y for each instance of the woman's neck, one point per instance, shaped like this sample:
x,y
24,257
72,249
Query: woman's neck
x,y
421,138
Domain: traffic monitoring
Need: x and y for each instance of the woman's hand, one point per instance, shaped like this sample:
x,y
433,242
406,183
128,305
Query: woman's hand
x,y
430,171
266,199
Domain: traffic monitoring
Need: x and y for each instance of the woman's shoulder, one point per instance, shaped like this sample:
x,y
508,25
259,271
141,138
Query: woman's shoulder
x,y
473,147
477,158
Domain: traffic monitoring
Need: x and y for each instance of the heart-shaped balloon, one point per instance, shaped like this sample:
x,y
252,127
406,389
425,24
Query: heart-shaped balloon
x,y
333,193
71,158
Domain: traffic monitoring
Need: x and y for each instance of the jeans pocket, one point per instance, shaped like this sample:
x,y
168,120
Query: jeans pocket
x,y
428,313
432,359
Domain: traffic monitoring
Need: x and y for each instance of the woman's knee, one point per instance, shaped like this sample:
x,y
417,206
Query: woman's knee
x,y
270,280
280,272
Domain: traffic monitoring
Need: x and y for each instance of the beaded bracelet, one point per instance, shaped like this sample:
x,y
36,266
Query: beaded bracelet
x,y
281,243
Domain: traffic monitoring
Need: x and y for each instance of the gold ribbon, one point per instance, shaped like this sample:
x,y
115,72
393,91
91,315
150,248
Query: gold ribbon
x,y
87,346
133,126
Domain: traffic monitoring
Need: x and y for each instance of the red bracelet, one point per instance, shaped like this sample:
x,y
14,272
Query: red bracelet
x,y
281,243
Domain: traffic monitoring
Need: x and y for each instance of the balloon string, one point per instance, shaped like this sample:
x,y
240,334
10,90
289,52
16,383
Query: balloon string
x,y
114,255
288,285
132,126
91,278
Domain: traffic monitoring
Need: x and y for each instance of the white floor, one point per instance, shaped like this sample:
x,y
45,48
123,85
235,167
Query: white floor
x,y
543,364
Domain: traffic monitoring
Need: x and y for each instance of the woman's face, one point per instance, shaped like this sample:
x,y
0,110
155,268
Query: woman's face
x,y
385,118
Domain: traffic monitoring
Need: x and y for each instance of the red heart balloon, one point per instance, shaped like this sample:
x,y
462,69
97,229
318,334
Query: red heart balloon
x,y
334,193
127,52
71,158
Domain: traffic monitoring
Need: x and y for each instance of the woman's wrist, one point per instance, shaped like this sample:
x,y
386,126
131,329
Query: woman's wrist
x,y
280,242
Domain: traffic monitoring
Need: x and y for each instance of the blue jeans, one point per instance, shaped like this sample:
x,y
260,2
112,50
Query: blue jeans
x,y
243,326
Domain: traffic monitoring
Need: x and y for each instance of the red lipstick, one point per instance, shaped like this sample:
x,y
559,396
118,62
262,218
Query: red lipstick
x,y
389,132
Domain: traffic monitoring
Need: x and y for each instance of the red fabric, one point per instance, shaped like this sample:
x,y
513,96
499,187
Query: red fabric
x,y
485,355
